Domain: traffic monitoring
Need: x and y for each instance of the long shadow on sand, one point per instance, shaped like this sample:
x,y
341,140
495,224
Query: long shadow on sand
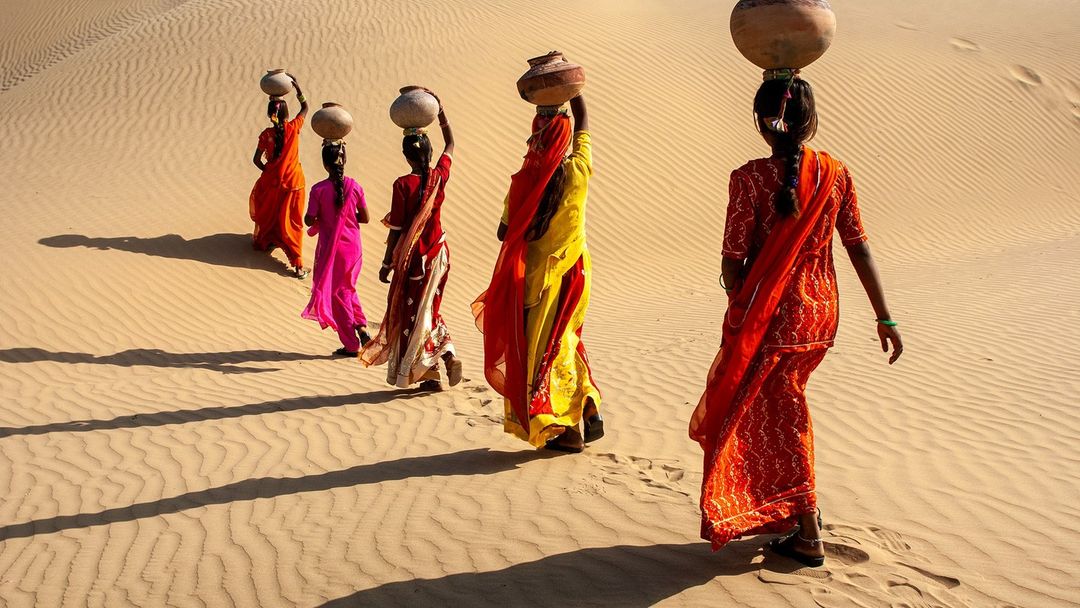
x,y
624,576
227,249
208,413
468,462
225,362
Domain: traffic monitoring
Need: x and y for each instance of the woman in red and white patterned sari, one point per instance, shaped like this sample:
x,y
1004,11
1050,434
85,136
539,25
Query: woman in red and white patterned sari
x,y
753,421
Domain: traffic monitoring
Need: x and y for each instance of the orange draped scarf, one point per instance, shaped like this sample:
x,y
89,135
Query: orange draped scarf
x,y
751,310
500,311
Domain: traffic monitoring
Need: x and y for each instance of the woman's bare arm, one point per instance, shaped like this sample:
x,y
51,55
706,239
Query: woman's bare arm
x,y
863,262
300,96
502,231
581,114
388,257
258,160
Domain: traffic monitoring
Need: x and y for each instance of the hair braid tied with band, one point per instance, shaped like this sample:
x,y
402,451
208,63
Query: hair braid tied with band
x,y
786,114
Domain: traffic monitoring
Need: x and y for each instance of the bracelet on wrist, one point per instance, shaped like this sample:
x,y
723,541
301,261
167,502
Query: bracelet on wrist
x,y
888,322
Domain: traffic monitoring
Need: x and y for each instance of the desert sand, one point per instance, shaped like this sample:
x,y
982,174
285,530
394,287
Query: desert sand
x,y
172,433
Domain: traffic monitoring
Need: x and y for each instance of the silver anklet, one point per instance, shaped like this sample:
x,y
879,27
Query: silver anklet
x,y
815,541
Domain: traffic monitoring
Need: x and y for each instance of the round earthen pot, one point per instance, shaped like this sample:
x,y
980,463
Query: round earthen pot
x,y
276,83
551,80
415,108
332,121
775,34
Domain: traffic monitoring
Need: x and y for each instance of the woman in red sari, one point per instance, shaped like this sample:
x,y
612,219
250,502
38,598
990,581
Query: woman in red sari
x,y
753,421
413,337
276,204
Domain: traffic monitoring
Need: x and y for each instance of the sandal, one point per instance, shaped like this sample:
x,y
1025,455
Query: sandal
x,y
363,335
344,352
453,371
301,272
785,546
433,386
594,423
570,441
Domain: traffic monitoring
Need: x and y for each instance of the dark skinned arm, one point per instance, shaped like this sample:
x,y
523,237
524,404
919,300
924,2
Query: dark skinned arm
x,y
581,115
258,160
299,95
863,261
362,216
731,273
388,257
502,231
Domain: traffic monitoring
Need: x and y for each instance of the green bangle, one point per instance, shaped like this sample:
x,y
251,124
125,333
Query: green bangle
x,y
888,323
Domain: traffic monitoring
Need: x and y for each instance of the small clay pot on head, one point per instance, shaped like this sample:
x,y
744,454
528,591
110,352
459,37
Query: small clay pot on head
x,y
414,108
276,83
777,34
551,80
332,121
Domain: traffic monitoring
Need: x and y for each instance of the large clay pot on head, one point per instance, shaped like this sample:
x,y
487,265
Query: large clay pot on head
x,y
551,80
276,83
775,34
332,121
415,108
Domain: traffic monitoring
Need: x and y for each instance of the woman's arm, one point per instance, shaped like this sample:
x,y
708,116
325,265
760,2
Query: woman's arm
x,y
362,214
502,231
388,257
299,96
444,126
581,115
731,275
863,261
258,159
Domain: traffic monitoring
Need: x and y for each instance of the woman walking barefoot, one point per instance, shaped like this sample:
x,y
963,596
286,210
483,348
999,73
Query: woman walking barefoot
x,y
276,204
753,421
413,337
336,210
533,311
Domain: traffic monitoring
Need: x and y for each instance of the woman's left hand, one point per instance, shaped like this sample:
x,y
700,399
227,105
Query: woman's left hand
x,y
889,334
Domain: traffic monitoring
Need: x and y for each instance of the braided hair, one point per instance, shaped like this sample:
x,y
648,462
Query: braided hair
x,y
333,158
278,111
553,194
787,122
417,149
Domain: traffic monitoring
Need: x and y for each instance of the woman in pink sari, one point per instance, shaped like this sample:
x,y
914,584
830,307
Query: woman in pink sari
x,y
335,213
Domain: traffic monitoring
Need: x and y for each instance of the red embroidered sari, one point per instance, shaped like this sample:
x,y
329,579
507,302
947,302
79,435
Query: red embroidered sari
x,y
752,420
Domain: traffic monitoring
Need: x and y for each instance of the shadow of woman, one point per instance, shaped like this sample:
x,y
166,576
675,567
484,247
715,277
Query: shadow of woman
x,y
224,362
623,575
227,249
473,462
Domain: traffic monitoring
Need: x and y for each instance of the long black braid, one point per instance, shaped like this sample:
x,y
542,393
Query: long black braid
x,y
278,108
553,194
800,124
417,149
333,158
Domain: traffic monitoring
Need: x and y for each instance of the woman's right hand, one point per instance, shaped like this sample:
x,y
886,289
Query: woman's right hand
x,y
384,274
889,334
432,93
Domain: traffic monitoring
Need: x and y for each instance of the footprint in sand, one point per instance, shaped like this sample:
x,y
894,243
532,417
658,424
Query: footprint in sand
x,y
963,44
627,470
847,555
904,25
945,581
1026,76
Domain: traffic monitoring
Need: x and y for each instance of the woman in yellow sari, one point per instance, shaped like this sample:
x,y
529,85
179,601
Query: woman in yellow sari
x,y
534,309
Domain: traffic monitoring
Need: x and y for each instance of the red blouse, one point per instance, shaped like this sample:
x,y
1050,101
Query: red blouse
x,y
808,313
406,204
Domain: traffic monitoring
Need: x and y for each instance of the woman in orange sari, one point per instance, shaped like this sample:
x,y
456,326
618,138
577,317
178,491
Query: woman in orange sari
x,y
276,204
753,421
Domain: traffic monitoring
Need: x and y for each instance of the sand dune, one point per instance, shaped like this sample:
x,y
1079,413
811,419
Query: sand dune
x,y
172,433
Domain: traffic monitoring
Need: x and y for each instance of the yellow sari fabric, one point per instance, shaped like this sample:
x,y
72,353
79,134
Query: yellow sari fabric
x,y
548,260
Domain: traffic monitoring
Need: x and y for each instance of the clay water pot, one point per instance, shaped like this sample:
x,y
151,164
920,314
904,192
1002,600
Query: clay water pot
x,y
415,108
551,80
775,34
276,83
332,121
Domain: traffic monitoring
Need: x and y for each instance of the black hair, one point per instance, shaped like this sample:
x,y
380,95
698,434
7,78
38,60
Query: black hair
x,y
549,204
278,107
333,158
417,149
800,117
